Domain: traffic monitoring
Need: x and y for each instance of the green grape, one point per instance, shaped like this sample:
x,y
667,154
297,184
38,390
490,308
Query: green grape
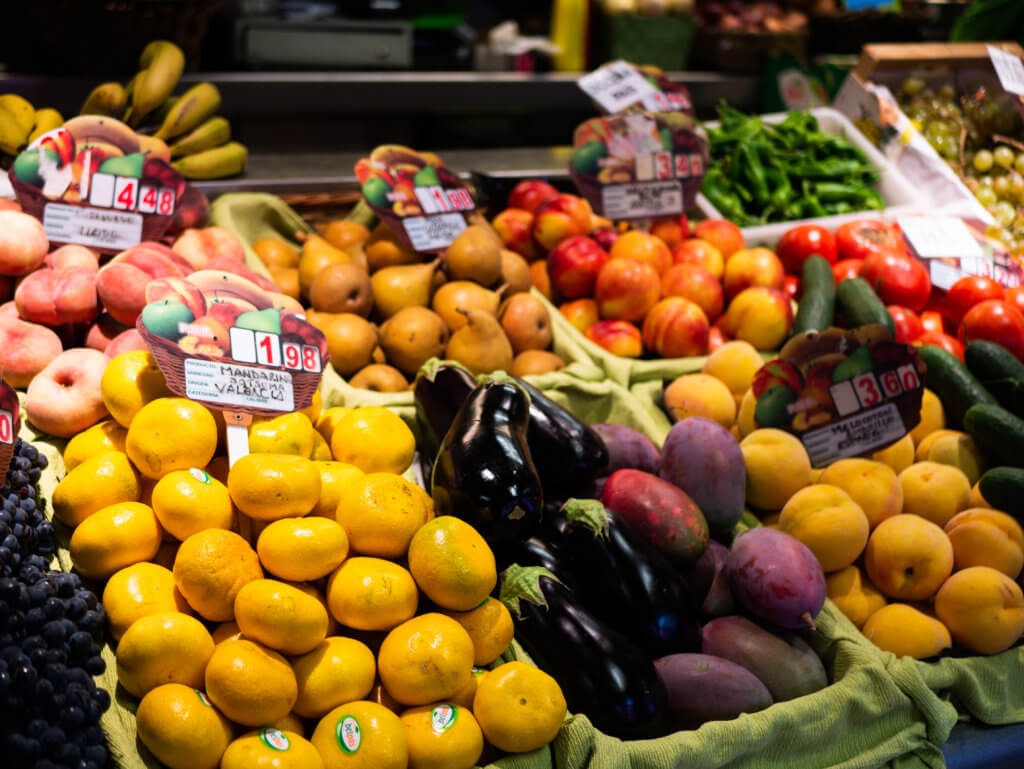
x,y
983,160
972,184
985,181
912,86
1016,185
1018,163
1004,212
1003,156
946,92
1001,186
986,196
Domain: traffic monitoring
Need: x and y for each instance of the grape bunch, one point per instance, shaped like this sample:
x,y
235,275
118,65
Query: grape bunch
x,y
51,630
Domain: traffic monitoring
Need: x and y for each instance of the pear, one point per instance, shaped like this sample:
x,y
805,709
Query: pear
x,y
480,345
342,287
454,299
515,272
401,286
535,362
474,255
383,249
526,322
380,378
317,253
350,339
412,336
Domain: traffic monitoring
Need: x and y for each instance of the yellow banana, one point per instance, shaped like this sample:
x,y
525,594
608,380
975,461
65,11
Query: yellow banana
x,y
105,99
227,160
109,150
154,148
22,110
12,137
46,120
193,107
103,128
157,116
162,63
213,133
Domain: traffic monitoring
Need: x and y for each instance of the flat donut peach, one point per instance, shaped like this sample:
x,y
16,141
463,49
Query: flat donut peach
x,y
64,398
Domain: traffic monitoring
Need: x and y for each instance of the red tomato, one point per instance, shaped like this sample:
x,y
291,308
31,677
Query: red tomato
x,y
967,292
798,243
1015,296
945,341
997,321
863,237
908,325
791,285
932,321
901,280
846,268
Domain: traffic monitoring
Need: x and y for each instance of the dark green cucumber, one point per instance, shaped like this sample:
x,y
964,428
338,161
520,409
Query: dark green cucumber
x,y
1003,488
958,389
997,432
1001,372
818,299
859,305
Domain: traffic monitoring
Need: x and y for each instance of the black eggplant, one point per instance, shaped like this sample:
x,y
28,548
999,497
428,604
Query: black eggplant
x,y
439,391
483,473
626,582
536,551
602,674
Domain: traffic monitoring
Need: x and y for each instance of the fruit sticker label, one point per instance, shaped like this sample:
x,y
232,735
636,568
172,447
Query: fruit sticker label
x,y
416,196
952,249
842,393
639,166
348,734
227,343
443,717
200,475
619,87
97,183
203,698
10,424
274,739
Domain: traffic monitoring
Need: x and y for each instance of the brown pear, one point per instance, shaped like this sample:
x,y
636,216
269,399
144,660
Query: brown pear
x,y
480,345
526,322
317,253
453,300
383,249
535,362
406,285
276,252
474,255
342,233
342,287
287,280
412,336
515,272
380,378
350,339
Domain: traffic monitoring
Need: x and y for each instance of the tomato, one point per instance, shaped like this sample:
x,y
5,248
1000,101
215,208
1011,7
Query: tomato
x,y
798,243
932,321
967,292
997,321
863,237
846,268
945,341
901,280
1015,296
908,325
791,285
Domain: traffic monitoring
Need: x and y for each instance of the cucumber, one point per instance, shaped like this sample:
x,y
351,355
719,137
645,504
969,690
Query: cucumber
x,y
818,302
997,432
997,369
957,388
1003,488
860,305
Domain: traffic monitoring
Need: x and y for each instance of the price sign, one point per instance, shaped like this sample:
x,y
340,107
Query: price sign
x,y
619,87
10,424
1008,69
952,249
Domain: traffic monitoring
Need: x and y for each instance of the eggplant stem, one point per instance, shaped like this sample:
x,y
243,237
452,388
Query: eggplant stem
x,y
809,619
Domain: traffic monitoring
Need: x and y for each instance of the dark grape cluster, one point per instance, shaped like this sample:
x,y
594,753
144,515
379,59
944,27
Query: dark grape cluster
x,y
51,630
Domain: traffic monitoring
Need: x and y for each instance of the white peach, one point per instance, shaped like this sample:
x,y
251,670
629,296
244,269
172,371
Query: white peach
x,y
64,398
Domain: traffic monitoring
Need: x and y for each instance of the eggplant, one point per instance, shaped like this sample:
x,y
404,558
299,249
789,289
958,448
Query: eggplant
x,y
483,473
602,674
537,551
626,582
439,391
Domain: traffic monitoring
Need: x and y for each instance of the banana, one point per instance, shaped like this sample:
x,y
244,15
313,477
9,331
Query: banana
x,y
226,160
129,88
12,136
285,303
162,63
106,99
22,110
193,107
213,133
46,120
219,283
154,148
222,297
109,150
103,128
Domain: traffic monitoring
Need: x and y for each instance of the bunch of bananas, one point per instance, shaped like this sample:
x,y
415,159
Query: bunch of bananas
x,y
21,123
198,140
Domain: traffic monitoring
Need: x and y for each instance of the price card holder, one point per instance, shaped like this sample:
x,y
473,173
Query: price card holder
x,y
842,393
1008,69
639,166
10,424
952,249
93,183
420,200
620,87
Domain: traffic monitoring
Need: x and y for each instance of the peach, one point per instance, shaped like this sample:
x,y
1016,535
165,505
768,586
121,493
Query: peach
x,y
933,491
178,289
676,328
908,557
9,205
239,267
124,342
752,267
777,467
853,595
985,537
530,193
199,246
829,522
72,256
745,423
581,313
722,234
56,297
626,289
697,284
10,309
734,363
671,230
759,315
983,609
701,253
899,456
700,395
64,398
560,217
121,283
25,350
23,243
574,265
541,279
618,337
872,485
636,244
907,632
514,227
102,332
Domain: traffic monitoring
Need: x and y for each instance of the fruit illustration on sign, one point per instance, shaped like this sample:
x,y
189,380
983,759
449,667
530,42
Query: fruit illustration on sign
x,y
163,318
126,165
261,320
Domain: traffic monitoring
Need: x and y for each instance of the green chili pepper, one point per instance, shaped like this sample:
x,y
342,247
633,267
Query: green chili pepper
x,y
716,189
810,206
754,172
781,190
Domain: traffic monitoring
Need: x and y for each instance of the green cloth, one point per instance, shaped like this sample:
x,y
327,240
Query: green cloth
x,y
253,215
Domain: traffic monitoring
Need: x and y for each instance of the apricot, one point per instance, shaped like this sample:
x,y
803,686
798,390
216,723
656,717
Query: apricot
x,y
959,451
924,446
899,456
984,537
853,594
25,350
977,500
700,395
933,416
777,467
745,423
933,491
907,632
65,398
735,364
908,557
983,609
872,485
829,522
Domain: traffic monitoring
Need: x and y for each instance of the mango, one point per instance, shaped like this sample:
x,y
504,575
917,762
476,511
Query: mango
x,y
709,581
704,688
983,609
983,537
